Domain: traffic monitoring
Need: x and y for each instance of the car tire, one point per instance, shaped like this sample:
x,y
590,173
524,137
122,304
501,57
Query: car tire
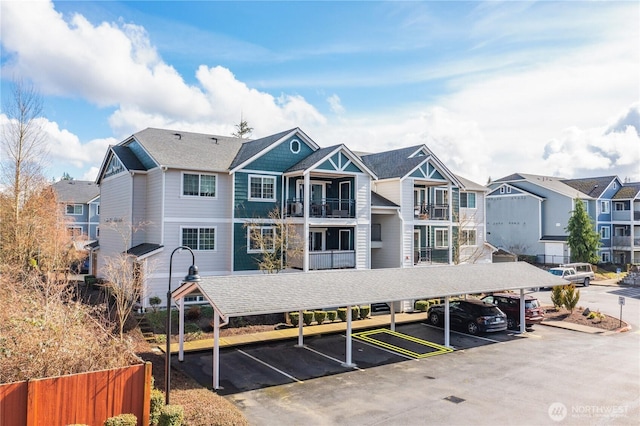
x,y
434,318
472,328
586,282
512,324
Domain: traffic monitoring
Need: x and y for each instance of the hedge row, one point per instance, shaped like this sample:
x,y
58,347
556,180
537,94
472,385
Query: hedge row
x,y
308,317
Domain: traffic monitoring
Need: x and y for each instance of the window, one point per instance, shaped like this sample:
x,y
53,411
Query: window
x,y
605,257
261,239
74,231
199,238
198,185
345,239
605,233
74,209
502,189
618,206
97,232
98,209
468,200
604,207
442,238
468,237
262,188
294,146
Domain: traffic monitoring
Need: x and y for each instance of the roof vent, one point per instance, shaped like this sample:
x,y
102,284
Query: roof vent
x,y
215,140
178,135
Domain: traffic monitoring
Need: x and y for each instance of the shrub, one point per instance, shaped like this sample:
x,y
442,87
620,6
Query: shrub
x,y
422,305
294,317
122,420
307,317
155,301
171,415
193,313
206,312
595,316
157,402
191,328
320,316
332,315
364,311
342,314
355,313
557,296
570,297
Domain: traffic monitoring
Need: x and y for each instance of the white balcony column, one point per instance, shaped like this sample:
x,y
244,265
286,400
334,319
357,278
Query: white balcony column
x,y
447,323
523,324
306,207
181,329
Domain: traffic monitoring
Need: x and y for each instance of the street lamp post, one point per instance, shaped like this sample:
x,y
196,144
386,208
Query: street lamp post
x,y
191,277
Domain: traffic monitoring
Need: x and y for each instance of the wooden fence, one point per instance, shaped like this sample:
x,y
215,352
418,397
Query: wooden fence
x,y
86,398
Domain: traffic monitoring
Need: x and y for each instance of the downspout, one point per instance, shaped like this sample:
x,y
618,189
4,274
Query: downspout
x,y
305,208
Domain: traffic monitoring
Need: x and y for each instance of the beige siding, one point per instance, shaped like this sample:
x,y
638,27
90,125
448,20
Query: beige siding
x,y
115,216
177,205
154,212
139,211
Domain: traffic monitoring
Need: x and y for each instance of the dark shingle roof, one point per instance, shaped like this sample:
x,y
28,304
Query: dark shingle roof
x,y
378,200
554,238
628,191
593,187
144,248
251,148
312,159
510,178
396,163
76,191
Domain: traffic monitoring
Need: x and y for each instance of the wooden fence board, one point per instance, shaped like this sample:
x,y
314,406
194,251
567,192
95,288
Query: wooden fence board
x,y
88,398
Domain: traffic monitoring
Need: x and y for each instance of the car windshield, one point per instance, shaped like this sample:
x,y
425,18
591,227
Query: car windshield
x,y
531,304
557,272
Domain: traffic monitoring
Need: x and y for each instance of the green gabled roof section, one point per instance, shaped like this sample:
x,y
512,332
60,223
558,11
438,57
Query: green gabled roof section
x,y
427,171
340,162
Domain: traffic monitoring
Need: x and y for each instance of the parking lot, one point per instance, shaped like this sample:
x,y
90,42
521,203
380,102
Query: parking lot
x,y
263,365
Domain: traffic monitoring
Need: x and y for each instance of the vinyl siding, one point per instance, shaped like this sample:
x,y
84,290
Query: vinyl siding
x,y
116,193
281,157
243,208
177,205
154,206
513,224
139,212
390,254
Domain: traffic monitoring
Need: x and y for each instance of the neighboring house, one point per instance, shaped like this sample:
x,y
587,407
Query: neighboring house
x,y
80,201
426,214
162,189
528,215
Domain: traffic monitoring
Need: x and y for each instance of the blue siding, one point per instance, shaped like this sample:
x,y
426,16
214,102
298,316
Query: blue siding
x,y
281,158
243,208
243,261
142,155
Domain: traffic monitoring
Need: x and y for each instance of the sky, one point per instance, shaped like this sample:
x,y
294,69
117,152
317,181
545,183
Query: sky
x,y
492,88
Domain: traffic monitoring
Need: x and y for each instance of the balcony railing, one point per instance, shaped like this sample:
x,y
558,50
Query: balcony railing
x,y
326,207
432,211
429,256
332,259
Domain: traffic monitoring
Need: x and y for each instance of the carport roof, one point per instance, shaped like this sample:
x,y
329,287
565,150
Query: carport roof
x,y
240,295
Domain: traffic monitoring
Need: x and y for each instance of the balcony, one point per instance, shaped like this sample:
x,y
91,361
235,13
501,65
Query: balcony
x,y
325,207
431,211
625,242
429,256
332,259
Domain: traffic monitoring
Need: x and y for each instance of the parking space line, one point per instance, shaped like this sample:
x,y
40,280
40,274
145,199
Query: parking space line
x,y
269,365
464,334
327,356
381,348
367,336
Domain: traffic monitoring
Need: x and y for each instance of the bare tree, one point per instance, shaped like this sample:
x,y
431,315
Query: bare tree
x,y
465,241
274,240
123,276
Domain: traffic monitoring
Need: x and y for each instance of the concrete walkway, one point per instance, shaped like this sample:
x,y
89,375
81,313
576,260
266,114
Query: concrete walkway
x,y
374,321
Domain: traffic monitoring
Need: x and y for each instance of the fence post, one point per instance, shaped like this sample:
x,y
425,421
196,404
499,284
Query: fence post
x,y
146,403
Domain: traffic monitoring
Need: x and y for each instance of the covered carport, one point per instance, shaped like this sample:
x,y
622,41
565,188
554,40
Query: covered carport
x,y
243,295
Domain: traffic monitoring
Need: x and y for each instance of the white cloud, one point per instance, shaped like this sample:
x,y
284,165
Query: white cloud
x,y
335,104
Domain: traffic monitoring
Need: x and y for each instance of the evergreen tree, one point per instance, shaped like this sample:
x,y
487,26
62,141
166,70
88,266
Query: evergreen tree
x,y
242,129
583,240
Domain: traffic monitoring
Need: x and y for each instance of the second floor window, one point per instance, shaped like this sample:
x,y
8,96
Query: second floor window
x,y
604,207
262,188
197,185
442,238
74,209
199,238
605,232
468,200
468,237
74,231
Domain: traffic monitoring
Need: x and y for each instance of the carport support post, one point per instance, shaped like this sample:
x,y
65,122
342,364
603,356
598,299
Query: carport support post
x,y
523,324
393,317
216,351
446,322
181,329
348,362
300,330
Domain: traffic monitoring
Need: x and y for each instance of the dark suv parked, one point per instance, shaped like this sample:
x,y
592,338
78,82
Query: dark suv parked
x,y
509,303
472,315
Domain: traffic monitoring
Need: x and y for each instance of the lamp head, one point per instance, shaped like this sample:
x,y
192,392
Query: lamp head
x,y
193,276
